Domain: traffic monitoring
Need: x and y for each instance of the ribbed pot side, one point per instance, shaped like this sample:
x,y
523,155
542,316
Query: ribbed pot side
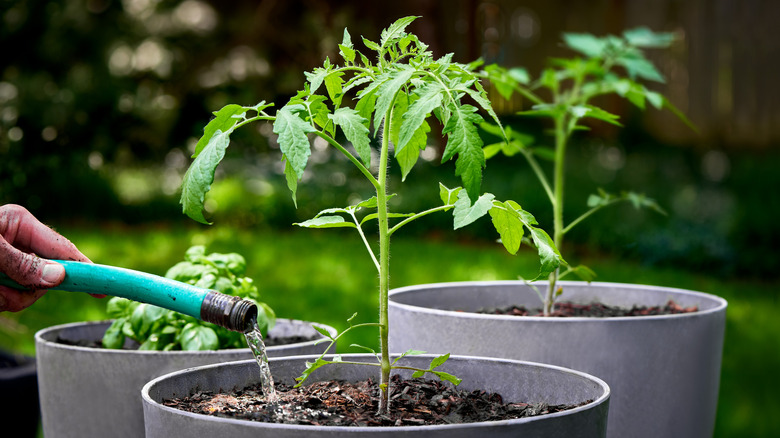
x,y
94,392
514,380
664,371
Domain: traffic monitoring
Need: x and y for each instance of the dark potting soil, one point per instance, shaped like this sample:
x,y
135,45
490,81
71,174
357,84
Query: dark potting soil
x,y
413,402
593,310
269,341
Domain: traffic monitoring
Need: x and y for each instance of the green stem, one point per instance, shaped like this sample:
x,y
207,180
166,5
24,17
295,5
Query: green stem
x,y
384,264
561,134
363,237
352,158
529,156
588,213
419,215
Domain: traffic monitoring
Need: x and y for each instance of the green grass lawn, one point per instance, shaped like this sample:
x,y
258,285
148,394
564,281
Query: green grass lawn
x,y
326,276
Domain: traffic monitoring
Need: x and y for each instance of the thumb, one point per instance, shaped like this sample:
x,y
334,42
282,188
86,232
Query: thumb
x,y
30,270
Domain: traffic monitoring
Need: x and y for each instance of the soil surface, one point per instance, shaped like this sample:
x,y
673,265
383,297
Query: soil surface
x,y
413,402
269,341
593,310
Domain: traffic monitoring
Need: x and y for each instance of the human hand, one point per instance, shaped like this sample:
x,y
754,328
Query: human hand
x,y
22,240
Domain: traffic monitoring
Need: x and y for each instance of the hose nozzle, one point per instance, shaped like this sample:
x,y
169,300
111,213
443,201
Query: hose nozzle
x,y
228,311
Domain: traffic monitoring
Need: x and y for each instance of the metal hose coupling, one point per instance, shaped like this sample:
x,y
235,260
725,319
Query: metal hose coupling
x,y
228,311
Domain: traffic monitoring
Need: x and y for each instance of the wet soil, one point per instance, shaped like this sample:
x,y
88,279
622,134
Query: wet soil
x,y
269,342
413,402
593,310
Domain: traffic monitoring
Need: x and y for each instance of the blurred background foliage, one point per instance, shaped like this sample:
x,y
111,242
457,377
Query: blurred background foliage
x,y
102,102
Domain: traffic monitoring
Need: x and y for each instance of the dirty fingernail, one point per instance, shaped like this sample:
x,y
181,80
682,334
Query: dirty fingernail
x,y
52,272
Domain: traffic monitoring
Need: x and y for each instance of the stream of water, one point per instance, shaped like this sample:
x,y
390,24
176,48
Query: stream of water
x,y
254,338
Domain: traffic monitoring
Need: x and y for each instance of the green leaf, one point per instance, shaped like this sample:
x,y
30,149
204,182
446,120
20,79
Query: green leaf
x,y
430,97
438,361
449,196
225,119
118,307
464,140
644,37
509,225
585,43
333,83
198,178
293,140
354,127
387,91
465,213
371,45
316,78
326,222
396,30
113,337
345,48
549,255
292,180
408,157
448,377
640,67
194,337
584,273
310,368
595,113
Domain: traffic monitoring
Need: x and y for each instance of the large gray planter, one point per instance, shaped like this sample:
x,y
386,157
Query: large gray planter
x,y
514,380
95,392
663,371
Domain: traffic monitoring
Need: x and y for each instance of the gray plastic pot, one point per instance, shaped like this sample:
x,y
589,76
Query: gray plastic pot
x,y
664,371
95,392
514,380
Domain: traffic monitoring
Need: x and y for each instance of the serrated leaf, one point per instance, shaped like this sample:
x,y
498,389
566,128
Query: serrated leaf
x,y
465,213
354,127
316,78
396,30
322,331
225,119
448,196
370,44
333,83
346,49
408,157
293,140
326,222
429,98
387,92
199,176
464,140
438,361
292,180
549,255
509,226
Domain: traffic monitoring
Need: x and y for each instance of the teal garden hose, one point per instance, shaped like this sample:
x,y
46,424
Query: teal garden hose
x,y
224,310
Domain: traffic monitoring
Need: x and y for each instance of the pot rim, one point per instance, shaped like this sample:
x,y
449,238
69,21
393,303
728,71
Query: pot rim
x,y
603,398
720,306
39,338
